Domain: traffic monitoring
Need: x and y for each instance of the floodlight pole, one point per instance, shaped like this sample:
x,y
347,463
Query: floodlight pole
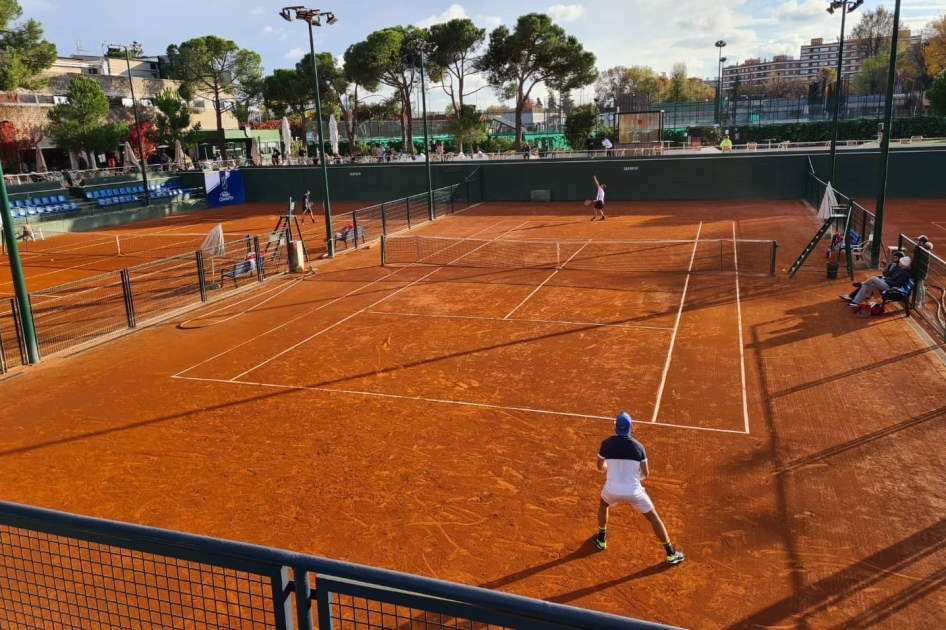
x,y
422,49
845,9
885,141
16,270
719,83
313,17
134,105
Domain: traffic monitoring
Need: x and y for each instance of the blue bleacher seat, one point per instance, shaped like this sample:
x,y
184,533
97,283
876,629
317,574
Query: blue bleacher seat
x,y
140,188
19,203
61,199
21,212
41,210
31,211
45,201
104,202
29,203
73,206
90,194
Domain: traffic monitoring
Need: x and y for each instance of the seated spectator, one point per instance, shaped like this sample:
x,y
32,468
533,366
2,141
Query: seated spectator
x,y
897,279
276,156
726,144
888,270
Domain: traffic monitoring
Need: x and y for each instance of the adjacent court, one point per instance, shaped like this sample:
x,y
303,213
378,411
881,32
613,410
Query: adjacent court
x,y
441,415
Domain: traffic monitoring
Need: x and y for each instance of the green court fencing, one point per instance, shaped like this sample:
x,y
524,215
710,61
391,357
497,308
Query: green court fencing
x,y
68,571
74,313
929,294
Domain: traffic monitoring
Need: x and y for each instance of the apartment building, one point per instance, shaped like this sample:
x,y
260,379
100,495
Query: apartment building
x,y
141,67
813,57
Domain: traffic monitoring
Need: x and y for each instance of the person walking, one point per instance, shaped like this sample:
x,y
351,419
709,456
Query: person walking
x,y
624,461
307,208
921,267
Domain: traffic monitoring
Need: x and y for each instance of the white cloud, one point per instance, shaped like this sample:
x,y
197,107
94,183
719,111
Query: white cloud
x,y
808,11
566,12
279,32
268,30
258,11
453,12
295,54
489,22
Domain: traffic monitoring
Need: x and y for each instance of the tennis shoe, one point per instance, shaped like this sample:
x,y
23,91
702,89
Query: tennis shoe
x,y
846,298
601,541
593,218
853,305
676,558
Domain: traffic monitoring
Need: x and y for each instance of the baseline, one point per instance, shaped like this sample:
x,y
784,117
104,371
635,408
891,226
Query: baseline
x,y
517,319
442,401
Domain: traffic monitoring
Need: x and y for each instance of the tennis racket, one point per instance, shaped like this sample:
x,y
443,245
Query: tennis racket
x,y
588,202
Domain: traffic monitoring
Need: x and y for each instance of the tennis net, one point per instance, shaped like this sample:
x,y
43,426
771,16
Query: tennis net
x,y
107,244
704,255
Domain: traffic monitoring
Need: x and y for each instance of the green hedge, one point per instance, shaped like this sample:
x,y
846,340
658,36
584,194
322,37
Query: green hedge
x,y
864,129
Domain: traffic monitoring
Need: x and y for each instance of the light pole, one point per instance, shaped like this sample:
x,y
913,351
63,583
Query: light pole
x,y
719,82
846,6
135,46
313,17
885,141
424,48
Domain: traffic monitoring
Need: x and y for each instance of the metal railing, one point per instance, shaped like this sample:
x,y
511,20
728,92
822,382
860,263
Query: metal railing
x,y
862,220
68,571
929,292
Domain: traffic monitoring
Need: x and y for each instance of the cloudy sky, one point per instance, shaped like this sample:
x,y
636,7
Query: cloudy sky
x,y
620,32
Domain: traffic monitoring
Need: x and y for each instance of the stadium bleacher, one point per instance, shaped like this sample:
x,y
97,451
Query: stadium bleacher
x,y
104,197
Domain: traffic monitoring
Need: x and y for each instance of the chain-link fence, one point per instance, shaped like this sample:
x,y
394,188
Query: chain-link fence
x,y
928,300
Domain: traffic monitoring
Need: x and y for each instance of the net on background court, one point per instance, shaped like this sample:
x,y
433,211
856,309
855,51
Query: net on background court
x,y
108,244
704,255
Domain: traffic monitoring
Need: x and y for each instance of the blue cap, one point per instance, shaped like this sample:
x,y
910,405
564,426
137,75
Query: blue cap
x,y
622,425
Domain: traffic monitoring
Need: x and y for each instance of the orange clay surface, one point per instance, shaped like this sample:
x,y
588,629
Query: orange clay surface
x,y
48,263
446,422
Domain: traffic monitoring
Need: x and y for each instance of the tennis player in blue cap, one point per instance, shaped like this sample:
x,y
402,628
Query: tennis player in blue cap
x,y
623,460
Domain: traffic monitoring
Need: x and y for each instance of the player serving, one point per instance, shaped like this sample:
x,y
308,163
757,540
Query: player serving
x,y
599,199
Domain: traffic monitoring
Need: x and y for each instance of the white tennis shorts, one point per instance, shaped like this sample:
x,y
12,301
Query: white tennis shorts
x,y
640,500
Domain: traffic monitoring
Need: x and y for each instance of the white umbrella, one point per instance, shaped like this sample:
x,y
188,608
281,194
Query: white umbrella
x,y
40,161
286,138
130,158
89,164
333,133
73,163
255,153
827,202
179,155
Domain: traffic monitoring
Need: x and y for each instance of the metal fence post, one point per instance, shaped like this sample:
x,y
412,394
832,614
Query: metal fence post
x,y
3,356
24,359
774,254
129,300
282,601
408,213
259,259
303,598
201,280
354,225
323,606
384,222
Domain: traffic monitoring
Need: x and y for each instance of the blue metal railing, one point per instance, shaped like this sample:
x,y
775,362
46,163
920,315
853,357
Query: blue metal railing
x,y
61,570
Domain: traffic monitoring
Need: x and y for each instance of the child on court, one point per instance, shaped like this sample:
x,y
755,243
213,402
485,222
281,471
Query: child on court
x,y
307,208
599,199
623,460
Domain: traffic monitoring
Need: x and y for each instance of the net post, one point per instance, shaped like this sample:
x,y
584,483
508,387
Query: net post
x,y
354,225
129,299
453,195
384,242
3,357
259,261
384,221
201,280
772,263
408,213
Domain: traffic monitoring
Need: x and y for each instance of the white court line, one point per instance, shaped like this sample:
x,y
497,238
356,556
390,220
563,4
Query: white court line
x,y
360,311
676,327
305,314
742,351
551,275
442,401
523,321
938,224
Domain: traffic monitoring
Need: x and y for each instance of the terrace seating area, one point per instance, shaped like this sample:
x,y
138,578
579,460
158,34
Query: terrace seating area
x,y
130,194
32,206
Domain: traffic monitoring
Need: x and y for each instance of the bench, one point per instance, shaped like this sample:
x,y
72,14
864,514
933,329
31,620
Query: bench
x,y
899,294
243,268
350,233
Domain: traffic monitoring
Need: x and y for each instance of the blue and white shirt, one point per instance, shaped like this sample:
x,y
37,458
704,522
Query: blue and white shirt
x,y
624,455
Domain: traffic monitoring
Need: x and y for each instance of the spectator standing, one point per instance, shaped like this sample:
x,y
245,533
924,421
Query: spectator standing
x,y
607,147
590,146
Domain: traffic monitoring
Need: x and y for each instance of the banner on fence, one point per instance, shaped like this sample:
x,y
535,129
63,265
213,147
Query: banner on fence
x,y
224,188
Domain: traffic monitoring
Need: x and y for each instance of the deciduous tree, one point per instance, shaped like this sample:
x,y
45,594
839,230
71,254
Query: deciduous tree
x,y
934,46
536,51
937,94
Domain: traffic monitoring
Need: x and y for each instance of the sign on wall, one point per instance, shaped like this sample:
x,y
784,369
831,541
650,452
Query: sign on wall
x,y
224,188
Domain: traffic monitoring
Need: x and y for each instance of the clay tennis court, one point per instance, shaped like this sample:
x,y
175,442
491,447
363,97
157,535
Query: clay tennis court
x,y
445,421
